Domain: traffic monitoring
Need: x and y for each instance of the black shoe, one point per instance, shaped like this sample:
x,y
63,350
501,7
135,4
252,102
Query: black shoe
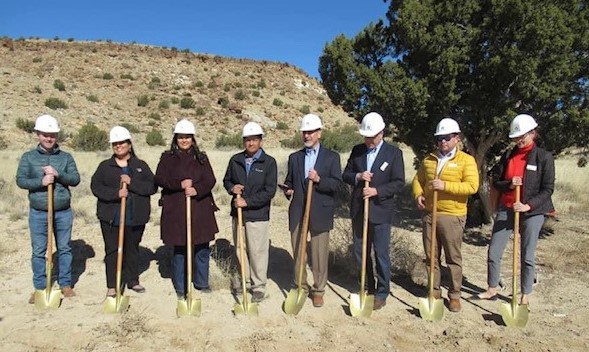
x,y
259,296
204,289
137,288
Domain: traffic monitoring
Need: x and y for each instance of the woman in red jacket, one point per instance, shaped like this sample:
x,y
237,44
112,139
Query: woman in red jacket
x,y
532,168
185,171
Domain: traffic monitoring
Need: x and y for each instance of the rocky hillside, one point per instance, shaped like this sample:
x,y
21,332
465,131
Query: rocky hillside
x,y
151,88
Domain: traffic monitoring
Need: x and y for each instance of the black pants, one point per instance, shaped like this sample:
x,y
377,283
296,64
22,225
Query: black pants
x,y
133,235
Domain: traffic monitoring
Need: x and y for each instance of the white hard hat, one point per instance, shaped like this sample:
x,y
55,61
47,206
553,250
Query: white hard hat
x,y
46,123
184,127
521,125
119,134
371,125
252,129
311,122
447,126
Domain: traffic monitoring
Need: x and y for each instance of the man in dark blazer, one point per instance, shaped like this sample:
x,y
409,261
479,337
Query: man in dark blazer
x,y
381,164
322,166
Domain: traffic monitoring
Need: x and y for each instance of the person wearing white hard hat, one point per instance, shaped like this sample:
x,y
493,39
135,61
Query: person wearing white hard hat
x,y
454,175
185,171
252,174
123,167
320,165
44,165
532,168
381,165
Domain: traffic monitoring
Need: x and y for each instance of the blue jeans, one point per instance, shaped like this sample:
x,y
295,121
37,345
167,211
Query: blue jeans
x,y
530,227
63,220
200,267
379,238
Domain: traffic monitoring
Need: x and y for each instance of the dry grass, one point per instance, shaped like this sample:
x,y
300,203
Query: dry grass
x,y
571,182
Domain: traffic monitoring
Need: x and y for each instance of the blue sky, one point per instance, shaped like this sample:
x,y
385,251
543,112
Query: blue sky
x,y
285,31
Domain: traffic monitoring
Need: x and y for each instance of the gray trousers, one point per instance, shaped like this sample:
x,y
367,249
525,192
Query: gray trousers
x,y
257,248
502,230
317,255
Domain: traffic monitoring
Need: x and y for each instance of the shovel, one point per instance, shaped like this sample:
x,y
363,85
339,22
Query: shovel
x,y
430,308
246,306
295,300
119,303
361,304
515,314
188,306
48,298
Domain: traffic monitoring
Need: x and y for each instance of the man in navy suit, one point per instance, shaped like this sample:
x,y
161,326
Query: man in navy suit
x,y
381,164
322,166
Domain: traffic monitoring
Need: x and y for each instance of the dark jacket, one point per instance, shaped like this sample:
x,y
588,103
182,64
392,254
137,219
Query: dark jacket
x,y
323,204
538,180
259,185
171,170
388,178
106,183
29,176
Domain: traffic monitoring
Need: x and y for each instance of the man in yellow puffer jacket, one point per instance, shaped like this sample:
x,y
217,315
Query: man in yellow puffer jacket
x,y
454,174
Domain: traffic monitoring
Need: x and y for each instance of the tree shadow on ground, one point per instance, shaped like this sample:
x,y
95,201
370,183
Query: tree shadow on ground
x,y
81,252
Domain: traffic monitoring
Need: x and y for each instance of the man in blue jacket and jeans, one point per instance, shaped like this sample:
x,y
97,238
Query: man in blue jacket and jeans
x,y
37,168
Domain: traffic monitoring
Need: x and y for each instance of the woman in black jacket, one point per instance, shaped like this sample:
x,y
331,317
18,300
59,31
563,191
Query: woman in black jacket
x,y
122,167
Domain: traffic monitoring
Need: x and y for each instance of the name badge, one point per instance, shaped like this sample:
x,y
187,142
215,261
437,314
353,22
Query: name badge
x,y
532,167
384,166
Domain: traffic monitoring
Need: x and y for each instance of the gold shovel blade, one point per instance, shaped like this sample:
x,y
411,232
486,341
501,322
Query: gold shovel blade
x,y
361,306
245,308
431,309
188,307
517,317
112,306
295,300
47,299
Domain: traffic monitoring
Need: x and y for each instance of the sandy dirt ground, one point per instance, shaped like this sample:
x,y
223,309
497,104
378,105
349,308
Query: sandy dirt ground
x,y
558,320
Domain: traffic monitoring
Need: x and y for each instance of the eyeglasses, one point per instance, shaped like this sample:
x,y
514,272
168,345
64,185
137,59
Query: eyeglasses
x,y
445,137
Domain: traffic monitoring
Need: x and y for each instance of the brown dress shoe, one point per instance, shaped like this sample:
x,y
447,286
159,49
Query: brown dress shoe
x,y
32,298
379,303
454,305
68,292
317,301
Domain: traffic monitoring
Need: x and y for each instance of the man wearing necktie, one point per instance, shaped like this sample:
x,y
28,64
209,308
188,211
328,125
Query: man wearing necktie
x,y
381,164
322,166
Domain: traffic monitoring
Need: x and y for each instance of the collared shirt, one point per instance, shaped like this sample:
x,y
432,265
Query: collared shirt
x,y
442,159
371,154
310,159
250,160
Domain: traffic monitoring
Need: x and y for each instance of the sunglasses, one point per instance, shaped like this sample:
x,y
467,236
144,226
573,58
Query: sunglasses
x,y
445,137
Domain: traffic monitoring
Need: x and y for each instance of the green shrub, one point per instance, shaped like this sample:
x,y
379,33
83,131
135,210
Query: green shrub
x,y
37,59
25,125
281,125
175,100
227,87
155,80
187,103
262,84
55,103
107,75
240,95
90,138
320,109
229,141
305,109
223,101
277,102
256,93
198,84
164,104
59,85
37,90
212,84
127,76
155,116
93,98
3,144
142,100
132,128
154,138
200,111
